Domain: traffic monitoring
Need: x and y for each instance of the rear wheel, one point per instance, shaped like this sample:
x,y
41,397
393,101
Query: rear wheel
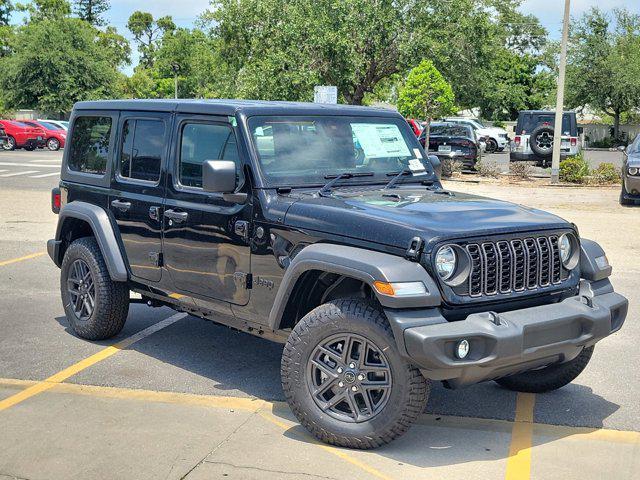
x,y
492,145
10,144
95,305
345,380
53,144
548,378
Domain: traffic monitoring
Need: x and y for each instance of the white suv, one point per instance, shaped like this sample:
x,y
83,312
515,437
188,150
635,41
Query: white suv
x,y
496,139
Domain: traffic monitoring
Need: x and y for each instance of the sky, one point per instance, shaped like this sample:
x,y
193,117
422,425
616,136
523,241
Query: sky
x,y
185,12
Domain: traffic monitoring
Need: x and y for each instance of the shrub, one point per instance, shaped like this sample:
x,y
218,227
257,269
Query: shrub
x,y
574,169
450,166
606,142
521,170
606,173
487,168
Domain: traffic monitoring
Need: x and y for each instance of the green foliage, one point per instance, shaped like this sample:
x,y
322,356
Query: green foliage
x,y
574,169
606,173
46,9
147,33
51,80
426,94
603,65
6,9
91,11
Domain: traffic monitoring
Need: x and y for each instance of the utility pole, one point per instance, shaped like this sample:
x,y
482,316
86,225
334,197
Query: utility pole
x,y
176,68
557,130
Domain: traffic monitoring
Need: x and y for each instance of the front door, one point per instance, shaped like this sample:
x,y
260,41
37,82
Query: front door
x,y
138,190
205,237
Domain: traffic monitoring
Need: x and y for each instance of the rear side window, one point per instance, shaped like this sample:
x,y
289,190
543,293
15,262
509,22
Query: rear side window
x,y
201,142
141,154
89,147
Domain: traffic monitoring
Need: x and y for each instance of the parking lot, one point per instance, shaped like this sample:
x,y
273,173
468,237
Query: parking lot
x,y
177,397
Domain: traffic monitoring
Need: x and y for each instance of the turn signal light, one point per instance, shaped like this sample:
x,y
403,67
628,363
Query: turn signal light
x,y
400,289
56,200
517,141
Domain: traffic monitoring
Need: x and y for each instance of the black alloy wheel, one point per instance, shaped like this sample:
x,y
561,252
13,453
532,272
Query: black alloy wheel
x,y
349,377
81,288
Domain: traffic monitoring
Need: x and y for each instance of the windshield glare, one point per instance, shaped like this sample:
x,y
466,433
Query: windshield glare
x,y
299,150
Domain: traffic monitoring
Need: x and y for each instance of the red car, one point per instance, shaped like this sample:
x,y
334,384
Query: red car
x,y
54,137
21,135
415,126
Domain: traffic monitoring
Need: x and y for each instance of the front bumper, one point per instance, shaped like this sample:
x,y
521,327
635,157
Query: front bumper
x,y
632,185
511,342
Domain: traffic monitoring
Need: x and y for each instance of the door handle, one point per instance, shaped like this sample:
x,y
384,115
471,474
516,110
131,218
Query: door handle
x,y
120,205
177,217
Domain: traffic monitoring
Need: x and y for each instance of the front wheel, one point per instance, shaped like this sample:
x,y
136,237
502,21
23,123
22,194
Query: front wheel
x,y
10,144
548,378
492,145
345,380
53,144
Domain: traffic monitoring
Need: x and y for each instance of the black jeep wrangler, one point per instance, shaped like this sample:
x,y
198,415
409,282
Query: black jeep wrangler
x,y
326,228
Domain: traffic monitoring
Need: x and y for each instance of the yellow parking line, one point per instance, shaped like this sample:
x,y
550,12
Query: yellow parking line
x,y
86,363
519,461
20,259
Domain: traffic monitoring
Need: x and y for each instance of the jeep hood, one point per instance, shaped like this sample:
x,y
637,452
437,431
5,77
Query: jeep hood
x,y
394,217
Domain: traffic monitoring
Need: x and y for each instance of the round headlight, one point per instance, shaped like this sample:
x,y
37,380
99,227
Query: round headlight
x,y
564,243
633,171
446,262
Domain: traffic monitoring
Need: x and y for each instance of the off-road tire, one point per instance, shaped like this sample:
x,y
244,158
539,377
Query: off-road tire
x,y
111,298
548,378
625,201
409,391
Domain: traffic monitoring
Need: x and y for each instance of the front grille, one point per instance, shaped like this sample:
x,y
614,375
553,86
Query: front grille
x,y
515,265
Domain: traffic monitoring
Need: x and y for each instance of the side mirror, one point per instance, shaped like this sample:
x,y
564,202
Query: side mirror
x,y
436,164
218,176
622,149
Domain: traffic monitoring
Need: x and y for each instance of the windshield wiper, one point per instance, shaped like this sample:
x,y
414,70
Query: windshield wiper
x,y
397,177
326,189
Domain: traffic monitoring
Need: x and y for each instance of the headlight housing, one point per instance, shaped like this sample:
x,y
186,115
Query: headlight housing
x,y
446,261
633,170
569,250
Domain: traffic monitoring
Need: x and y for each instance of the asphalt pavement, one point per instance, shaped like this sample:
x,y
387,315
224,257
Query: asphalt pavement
x,y
174,396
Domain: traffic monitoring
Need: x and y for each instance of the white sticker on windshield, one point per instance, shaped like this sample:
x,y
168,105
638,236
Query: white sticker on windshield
x,y
380,140
416,166
417,153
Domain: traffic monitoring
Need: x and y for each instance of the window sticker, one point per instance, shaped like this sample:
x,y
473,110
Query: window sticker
x,y
380,140
417,167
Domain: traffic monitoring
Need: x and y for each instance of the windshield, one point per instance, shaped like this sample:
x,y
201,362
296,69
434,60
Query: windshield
x,y
301,150
634,148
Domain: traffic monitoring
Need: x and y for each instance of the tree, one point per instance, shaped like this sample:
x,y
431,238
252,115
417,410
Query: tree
x,y
46,9
148,33
426,95
80,67
603,65
91,11
6,9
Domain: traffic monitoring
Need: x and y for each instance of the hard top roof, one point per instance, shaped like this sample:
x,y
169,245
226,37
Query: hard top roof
x,y
231,107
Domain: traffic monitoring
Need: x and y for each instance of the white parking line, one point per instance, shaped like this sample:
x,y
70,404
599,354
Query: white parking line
x,y
15,174
7,164
51,160
45,175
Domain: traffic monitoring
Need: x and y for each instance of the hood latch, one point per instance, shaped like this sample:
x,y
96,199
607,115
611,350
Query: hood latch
x,y
415,249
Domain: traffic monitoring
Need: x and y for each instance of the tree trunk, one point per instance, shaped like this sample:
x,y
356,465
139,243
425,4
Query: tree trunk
x,y
616,125
427,133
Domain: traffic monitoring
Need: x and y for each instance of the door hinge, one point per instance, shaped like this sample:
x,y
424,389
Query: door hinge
x,y
156,258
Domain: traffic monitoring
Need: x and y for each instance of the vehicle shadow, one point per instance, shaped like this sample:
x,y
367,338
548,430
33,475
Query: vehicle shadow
x,y
234,363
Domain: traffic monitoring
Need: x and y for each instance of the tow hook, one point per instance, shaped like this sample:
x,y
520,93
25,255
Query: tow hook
x,y
588,301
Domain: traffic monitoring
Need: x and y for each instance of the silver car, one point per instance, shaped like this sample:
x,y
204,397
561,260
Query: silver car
x,y
630,194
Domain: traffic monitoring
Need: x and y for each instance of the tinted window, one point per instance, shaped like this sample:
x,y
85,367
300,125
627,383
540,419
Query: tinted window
x,y
89,148
141,154
451,131
530,121
201,142
50,126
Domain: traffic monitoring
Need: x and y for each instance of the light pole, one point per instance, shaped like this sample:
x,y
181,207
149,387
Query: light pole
x,y
176,68
557,130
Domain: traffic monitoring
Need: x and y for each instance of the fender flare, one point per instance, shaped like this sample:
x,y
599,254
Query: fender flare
x,y
98,220
361,264
590,251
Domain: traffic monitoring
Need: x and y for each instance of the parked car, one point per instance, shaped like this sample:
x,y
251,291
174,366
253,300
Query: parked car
x,y
263,216
21,135
533,141
496,139
630,194
58,123
452,140
3,136
54,136
416,126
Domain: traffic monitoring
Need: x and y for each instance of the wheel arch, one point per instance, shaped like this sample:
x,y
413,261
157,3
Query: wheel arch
x,y
321,272
80,219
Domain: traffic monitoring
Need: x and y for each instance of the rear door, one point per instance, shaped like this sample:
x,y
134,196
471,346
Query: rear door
x,y
206,246
138,189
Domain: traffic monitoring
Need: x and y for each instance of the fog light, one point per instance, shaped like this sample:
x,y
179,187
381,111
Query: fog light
x,y
462,349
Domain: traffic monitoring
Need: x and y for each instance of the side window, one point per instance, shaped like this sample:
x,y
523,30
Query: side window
x,y
141,153
89,147
201,142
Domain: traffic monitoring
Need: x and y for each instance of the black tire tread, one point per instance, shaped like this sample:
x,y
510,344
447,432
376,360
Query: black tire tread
x,y
324,314
112,298
549,378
